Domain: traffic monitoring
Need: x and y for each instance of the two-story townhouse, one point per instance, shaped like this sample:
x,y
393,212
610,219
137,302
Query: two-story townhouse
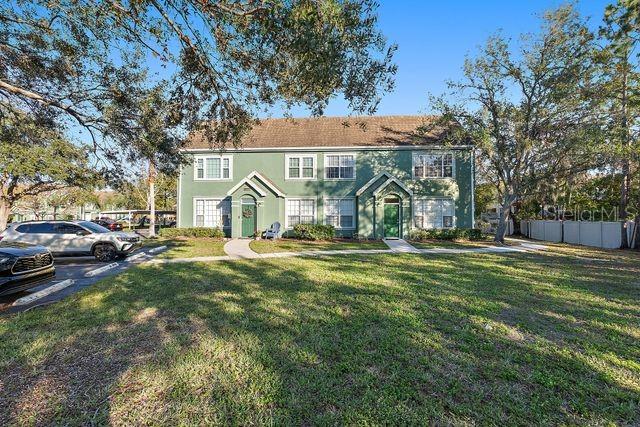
x,y
371,176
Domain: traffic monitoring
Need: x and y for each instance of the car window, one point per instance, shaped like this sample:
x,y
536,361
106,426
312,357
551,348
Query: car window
x,y
41,228
93,227
24,228
66,228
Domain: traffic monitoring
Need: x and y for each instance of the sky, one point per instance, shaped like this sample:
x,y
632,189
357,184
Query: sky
x,y
433,38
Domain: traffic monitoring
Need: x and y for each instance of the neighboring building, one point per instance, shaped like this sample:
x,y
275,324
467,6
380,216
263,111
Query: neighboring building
x,y
368,176
491,216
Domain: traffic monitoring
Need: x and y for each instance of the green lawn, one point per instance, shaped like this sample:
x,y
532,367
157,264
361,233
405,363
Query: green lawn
x,y
294,245
487,339
430,244
188,247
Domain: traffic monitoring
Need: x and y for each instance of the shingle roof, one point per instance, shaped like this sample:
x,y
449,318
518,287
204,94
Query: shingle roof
x,y
363,131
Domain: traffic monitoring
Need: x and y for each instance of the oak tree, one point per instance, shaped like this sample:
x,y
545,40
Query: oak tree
x,y
523,106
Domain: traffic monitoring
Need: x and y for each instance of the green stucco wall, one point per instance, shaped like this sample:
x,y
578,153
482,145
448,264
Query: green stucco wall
x,y
369,163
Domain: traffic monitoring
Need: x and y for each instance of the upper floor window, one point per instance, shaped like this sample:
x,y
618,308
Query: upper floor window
x,y
300,166
213,167
433,165
340,166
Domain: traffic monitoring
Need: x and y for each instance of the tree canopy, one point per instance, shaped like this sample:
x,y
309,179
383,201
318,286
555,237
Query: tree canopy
x,y
91,64
35,158
525,107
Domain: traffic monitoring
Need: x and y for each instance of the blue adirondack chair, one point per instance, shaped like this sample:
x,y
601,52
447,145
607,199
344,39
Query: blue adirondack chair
x,y
273,232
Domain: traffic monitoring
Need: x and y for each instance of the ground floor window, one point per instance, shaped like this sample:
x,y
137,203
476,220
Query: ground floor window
x,y
433,213
339,212
301,211
212,213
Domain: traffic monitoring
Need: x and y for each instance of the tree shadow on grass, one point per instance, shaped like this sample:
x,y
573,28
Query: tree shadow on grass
x,y
350,339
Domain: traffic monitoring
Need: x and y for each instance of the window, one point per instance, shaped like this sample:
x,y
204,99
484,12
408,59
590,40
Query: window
x,y
93,227
434,213
213,167
24,228
340,166
300,211
301,167
41,228
66,228
339,212
433,165
212,213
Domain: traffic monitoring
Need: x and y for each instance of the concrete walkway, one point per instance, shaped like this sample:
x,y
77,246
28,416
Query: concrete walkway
x,y
401,246
241,250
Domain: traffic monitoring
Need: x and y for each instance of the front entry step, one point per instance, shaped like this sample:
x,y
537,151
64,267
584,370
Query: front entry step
x,y
401,246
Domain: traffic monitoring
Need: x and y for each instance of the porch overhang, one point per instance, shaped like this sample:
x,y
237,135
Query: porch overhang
x,y
248,181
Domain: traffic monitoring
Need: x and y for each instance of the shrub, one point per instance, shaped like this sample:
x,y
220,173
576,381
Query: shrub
x,y
214,233
314,231
447,234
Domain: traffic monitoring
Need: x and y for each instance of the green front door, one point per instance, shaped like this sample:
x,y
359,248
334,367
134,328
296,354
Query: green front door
x,y
392,220
248,217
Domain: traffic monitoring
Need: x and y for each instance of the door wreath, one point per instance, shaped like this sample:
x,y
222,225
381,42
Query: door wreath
x,y
247,213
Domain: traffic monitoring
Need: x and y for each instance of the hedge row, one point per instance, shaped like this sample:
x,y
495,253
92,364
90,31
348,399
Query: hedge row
x,y
447,234
214,233
314,231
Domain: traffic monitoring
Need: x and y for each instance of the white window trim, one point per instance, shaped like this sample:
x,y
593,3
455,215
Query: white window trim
x,y
324,212
355,164
300,156
423,153
413,212
218,199
286,213
204,158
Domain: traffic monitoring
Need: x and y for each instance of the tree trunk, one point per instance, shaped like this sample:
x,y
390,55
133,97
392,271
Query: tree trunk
x,y
152,200
5,210
635,237
505,213
624,200
624,186
516,220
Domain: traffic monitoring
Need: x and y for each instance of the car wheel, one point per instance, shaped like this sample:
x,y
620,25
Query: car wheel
x,y
104,252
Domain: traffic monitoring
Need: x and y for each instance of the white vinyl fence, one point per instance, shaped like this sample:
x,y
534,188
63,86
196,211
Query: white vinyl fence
x,y
599,234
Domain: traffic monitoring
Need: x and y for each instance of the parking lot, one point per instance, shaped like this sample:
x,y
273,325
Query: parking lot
x,y
72,274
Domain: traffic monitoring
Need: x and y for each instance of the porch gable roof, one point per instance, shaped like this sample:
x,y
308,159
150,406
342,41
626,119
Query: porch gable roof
x,y
395,181
247,180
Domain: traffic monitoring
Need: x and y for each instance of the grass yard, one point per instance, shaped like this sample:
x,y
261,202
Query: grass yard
x,y
295,245
488,339
189,247
449,244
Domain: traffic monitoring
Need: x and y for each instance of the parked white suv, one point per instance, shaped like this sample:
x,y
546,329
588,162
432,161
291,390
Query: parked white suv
x,y
73,238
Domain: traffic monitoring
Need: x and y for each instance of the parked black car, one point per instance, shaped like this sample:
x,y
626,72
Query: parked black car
x,y
108,223
23,266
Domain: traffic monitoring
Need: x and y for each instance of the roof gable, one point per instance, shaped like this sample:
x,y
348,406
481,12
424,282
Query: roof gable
x,y
267,183
394,181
